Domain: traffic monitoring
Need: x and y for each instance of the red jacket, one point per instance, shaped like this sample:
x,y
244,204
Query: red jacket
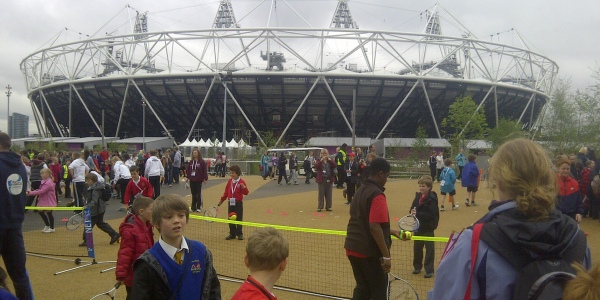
x,y
199,170
136,238
586,179
56,170
143,186
319,167
238,192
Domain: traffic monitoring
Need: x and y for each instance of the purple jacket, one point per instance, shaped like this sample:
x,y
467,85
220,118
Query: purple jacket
x,y
197,171
470,175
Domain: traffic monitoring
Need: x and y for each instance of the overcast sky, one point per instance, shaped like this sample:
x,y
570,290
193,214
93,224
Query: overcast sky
x,y
564,31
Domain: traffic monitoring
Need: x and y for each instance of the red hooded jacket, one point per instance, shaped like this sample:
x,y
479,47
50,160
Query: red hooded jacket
x,y
136,238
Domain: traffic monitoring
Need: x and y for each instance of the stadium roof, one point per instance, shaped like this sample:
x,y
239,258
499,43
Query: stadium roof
x,y
338,141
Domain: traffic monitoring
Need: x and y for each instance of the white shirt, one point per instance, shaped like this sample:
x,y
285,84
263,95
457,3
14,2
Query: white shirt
x,y
154,167
170,250
100,178
79,168
121,171
130,163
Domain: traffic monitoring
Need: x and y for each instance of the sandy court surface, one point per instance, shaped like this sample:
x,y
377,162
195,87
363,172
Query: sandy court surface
x,y
270,203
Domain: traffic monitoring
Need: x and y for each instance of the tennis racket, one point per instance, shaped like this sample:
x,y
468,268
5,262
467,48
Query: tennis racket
x,y
400,289
75,221
108,294
211,212
409,223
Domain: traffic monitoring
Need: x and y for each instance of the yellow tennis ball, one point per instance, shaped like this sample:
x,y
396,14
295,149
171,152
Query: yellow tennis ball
x,y
233,217
407,235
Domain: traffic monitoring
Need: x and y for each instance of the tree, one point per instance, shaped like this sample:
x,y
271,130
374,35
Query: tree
x,y
420,147
463,114
506,130
560,120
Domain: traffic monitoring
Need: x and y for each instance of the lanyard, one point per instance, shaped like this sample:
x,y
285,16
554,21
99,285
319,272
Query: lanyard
x,y
195,165
234,187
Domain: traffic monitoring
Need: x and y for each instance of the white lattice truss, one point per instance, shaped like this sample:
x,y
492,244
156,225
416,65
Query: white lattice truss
x,y
383,54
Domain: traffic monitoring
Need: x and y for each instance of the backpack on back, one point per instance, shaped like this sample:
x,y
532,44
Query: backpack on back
x,y
306,164
543,279
106,192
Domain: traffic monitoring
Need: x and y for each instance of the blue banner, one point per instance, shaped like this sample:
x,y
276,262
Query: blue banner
x,y
89,237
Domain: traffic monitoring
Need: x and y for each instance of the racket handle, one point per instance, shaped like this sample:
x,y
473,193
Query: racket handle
x,y
117,285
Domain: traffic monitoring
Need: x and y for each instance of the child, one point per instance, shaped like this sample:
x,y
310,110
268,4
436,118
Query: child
x,y
175,267
425,208
97,208
234,192
448,178
266,257
137,186
470,179
46,198
351,168
136,238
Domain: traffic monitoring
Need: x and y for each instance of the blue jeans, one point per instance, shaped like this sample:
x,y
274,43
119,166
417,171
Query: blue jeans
x,y
265,171
12,249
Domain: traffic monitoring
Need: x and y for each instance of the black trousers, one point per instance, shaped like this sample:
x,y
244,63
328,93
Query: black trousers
x,y
341,176
439,173
48,218
176,171
99,220
459,172
12,249
350,190
68,188
78,189
196,189
122,183
34,186
371,281
155,183
282,172
309,174
432,172
238,208
429,253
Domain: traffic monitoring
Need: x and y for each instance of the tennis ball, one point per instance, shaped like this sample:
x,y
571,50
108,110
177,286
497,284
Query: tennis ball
x,y
232,216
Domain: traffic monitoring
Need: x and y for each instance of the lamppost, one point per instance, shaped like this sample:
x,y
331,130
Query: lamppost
x,y
8,93
224,81
144,124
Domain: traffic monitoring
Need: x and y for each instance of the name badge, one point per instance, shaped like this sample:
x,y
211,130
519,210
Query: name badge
x,y
193,173
232,201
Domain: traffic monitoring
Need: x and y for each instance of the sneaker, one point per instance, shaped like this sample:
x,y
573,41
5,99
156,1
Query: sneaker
x,y
455,207
344,193
230,237
45,228
428,275
347,203
240,237
473,204
295,183
115,238
49,230
467,202
121,209
279,183
84,244
328,209
319,209
442,208
416,271
288,183
198,210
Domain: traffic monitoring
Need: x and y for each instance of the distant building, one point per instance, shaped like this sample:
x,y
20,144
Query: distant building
x,y
18,126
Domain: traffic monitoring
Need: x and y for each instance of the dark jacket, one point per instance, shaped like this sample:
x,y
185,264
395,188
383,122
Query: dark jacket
x,y
470,175
494,276
36,167
13,184
293,163
151,280
92,197
282,162
354,170
319,173
136,238
569,200
359,238
428,212
199,169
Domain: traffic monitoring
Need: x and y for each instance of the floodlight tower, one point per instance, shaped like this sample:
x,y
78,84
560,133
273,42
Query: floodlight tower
x,y
342,18
225,17
433,25
141,25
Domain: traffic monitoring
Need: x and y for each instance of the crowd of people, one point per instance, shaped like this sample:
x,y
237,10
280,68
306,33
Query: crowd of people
x,y
534,218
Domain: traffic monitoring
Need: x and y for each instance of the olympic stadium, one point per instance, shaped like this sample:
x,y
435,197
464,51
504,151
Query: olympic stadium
x,y
296,82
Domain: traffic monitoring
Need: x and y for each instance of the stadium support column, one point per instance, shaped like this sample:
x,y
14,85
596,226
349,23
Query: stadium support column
x,y
297,110
526,106
246,118
43,101
224,141
212,83
152,110
337,104
86,108
437,129
396,111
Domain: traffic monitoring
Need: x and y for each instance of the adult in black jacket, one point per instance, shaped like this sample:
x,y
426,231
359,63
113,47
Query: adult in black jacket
x,y
432,164
425,208
281,168
351,169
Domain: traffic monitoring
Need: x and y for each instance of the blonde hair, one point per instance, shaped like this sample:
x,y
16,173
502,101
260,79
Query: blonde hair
x,y
586,285
165,204
523,171
266,249
583,150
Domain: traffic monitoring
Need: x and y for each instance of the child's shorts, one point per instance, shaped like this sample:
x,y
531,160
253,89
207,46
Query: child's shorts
x,y
451,193
471,189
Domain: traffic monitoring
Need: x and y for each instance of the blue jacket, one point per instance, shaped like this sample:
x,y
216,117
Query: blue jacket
x,y
494,277
461,160
449,177
470,175
13,184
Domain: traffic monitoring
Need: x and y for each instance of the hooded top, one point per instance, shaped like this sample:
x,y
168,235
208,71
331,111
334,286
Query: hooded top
x,y
505,228
92,197
13,177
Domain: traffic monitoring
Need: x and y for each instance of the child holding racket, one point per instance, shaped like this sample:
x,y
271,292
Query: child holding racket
x,y
46,198
136,238
234,193
266,257
137,186
425,208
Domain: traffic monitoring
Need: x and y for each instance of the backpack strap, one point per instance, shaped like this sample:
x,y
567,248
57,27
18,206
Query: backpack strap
x,y
474,247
